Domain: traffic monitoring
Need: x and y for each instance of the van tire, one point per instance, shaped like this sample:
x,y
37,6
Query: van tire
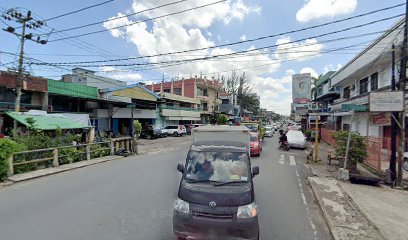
x,y
175,134
149,137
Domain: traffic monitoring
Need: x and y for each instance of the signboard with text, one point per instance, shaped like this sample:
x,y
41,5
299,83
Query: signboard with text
x,y
381,119
386,101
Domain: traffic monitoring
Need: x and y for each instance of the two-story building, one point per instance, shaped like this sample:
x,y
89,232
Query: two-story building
x,y
369,71
206,91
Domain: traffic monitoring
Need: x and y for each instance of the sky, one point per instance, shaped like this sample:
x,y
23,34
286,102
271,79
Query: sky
x,y
269,63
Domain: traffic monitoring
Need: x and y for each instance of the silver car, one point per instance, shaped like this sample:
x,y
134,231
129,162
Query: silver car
x,y
296,139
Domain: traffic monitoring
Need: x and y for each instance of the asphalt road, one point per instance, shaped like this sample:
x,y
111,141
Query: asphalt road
x,y
132,199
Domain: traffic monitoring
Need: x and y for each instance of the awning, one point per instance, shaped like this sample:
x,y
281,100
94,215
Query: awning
x,y
48,121
184,118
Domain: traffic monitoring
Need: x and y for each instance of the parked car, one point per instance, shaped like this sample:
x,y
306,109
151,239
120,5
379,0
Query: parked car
x,y
269,131
256,145
188,128
176,130
216,195
296,139
152,132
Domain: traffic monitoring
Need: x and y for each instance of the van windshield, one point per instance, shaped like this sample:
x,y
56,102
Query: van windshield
x,y
217,166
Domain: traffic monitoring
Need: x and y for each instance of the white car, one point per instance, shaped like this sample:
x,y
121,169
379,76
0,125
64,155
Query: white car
x,y
296,139
176,130
269,131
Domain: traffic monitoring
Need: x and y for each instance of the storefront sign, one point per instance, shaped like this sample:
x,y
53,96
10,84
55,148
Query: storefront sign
x,y
386,101
381,119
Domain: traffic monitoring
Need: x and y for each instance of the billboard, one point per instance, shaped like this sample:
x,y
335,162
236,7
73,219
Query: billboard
x,y
301,88
386,101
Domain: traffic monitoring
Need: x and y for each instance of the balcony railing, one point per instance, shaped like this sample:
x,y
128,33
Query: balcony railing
x,y
332,90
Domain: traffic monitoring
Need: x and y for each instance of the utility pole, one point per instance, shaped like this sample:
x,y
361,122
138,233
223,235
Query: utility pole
x,y
393,157
26,21
402,87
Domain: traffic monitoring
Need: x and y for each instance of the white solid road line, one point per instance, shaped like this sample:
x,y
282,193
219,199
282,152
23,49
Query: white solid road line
x,y
292,160
282,159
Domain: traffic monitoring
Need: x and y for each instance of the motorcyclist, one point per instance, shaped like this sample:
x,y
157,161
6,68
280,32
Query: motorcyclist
x,y
283,138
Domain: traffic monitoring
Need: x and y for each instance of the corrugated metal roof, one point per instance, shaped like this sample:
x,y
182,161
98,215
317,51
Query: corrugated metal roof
x,y
47,122
72,89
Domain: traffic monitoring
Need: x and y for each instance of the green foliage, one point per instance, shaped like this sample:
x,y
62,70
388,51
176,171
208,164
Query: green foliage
x,y
137,126
7,147
221,119
357,151
97,150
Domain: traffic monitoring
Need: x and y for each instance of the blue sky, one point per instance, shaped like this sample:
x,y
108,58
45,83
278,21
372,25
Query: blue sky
x,y
269,70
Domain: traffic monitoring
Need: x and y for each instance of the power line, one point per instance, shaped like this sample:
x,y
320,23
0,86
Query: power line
x,y
221,55
79,10
259,38
130,24
255,49
120,17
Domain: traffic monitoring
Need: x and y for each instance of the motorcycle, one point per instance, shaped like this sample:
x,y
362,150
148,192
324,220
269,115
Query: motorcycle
x,y
284,146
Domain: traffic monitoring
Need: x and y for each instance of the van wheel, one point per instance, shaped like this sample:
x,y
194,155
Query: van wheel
x,y
149,137
175,134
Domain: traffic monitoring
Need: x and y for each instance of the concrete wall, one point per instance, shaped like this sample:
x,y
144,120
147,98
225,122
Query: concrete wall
x,y
360,124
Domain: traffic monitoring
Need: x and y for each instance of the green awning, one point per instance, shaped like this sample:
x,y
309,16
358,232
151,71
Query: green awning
x,y
50,122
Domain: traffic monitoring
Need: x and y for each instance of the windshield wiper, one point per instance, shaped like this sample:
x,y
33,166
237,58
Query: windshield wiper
x,y
225,183
201,181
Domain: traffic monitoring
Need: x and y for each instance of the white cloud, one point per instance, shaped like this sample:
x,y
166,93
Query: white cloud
x,y
315,9
331,67
117,22
310,70
243,38
298,51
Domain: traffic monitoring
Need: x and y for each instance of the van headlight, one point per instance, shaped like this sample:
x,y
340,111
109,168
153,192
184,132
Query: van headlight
x,y
181,206
247,211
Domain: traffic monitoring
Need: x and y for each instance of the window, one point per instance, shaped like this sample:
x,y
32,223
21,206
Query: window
x,y
217,166
363,85
205,107
177,91
374,81
346,92
205,92
166,90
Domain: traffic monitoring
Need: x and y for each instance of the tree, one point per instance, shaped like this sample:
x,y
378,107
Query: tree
x,y
238,86
221,119
357,150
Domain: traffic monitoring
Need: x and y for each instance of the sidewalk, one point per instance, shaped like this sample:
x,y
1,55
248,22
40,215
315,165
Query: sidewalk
x,y
49,171
355,211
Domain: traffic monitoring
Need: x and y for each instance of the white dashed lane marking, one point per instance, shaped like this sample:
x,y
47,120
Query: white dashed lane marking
x,y
282,159
292,160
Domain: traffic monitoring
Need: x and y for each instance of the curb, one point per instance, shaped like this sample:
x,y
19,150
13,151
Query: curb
x,y
10,182
323,210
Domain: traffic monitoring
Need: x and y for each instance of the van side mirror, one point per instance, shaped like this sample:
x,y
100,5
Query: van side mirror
x,y
255,171
180,167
